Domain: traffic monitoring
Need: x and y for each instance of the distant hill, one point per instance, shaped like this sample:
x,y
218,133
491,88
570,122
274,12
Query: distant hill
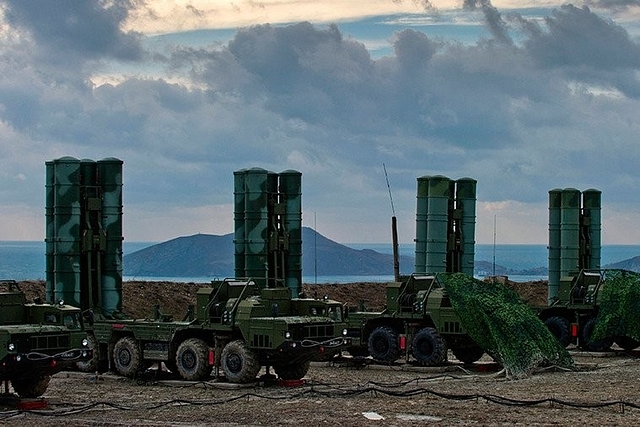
x,y
486,268
631,264
211,255
206,255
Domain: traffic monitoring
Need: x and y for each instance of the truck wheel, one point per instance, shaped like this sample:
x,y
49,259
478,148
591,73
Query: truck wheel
x,y
240,364
627,343
383,344
468,354
127,357
31,387
93,364
559,328
191,360
292,371
429,348
600,345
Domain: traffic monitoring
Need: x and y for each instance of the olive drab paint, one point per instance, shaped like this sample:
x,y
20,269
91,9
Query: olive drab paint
x,y
445,225
575,226
592,223
63,230
84,233
268,227
466,204
291,197
110,174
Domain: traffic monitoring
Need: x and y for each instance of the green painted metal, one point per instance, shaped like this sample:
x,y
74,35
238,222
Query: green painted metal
x,y
84,232
90,267
109,172
466,202
291,192
239,221
256,225
67,216
421,225
569,231
592,212
439,199
50,229
276,263
555,205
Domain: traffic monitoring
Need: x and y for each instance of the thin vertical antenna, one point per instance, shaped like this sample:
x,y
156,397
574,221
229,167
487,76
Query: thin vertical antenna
x,y
393,209
394,232
494,246
315,248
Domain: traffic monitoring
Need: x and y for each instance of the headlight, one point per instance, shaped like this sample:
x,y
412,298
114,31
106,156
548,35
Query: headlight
x,y
85,342
18,358
11,346
344,332
287,335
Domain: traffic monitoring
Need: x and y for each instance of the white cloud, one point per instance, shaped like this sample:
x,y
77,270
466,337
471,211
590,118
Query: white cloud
x,y
514,115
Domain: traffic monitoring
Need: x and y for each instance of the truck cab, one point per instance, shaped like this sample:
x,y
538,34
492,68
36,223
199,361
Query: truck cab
x,y
37,340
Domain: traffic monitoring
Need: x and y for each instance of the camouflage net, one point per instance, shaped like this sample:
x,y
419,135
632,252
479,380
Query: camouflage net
x,y
497,319
619,306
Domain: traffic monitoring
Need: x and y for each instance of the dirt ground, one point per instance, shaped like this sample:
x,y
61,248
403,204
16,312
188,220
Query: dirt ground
x,y
603,390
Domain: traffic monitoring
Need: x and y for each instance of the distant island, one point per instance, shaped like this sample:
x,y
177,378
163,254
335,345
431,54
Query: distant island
x,y
203,255
207,255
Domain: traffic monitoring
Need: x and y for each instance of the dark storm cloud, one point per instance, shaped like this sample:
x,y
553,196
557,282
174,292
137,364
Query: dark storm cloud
x,y
614,4
521,116
493,19
87,29
578,37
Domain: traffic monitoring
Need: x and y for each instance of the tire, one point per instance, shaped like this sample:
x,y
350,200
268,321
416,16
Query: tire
x,y
127,357
93,364
293,371
468,354
383,344
559,328
627,343
192,361
429,348
31,387
240,364
587,331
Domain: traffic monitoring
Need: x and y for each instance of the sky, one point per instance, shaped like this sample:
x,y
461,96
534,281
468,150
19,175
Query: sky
x,y
522,96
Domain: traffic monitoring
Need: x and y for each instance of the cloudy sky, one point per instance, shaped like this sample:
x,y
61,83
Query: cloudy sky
x,y
523,96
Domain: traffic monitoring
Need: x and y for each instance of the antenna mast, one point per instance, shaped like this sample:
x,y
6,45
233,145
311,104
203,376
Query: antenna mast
x,y
394,231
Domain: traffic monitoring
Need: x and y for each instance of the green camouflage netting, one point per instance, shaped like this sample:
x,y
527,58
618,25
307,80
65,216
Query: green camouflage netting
x,y
619,306
504,326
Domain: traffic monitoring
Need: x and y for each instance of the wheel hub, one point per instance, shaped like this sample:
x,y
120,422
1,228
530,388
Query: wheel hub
x,y
234,363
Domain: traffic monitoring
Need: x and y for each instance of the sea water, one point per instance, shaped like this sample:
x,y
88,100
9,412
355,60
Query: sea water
x,y
25,260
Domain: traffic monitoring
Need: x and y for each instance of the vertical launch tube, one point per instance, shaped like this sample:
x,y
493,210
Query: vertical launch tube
x,y
570,231
91,231
256,226
437,224
50,229
466,201
67,223
110,178
291,191
421,225
239,222
592,207
555,204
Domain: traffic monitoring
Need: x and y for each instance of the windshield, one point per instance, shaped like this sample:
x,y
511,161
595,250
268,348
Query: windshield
x,y
72,320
